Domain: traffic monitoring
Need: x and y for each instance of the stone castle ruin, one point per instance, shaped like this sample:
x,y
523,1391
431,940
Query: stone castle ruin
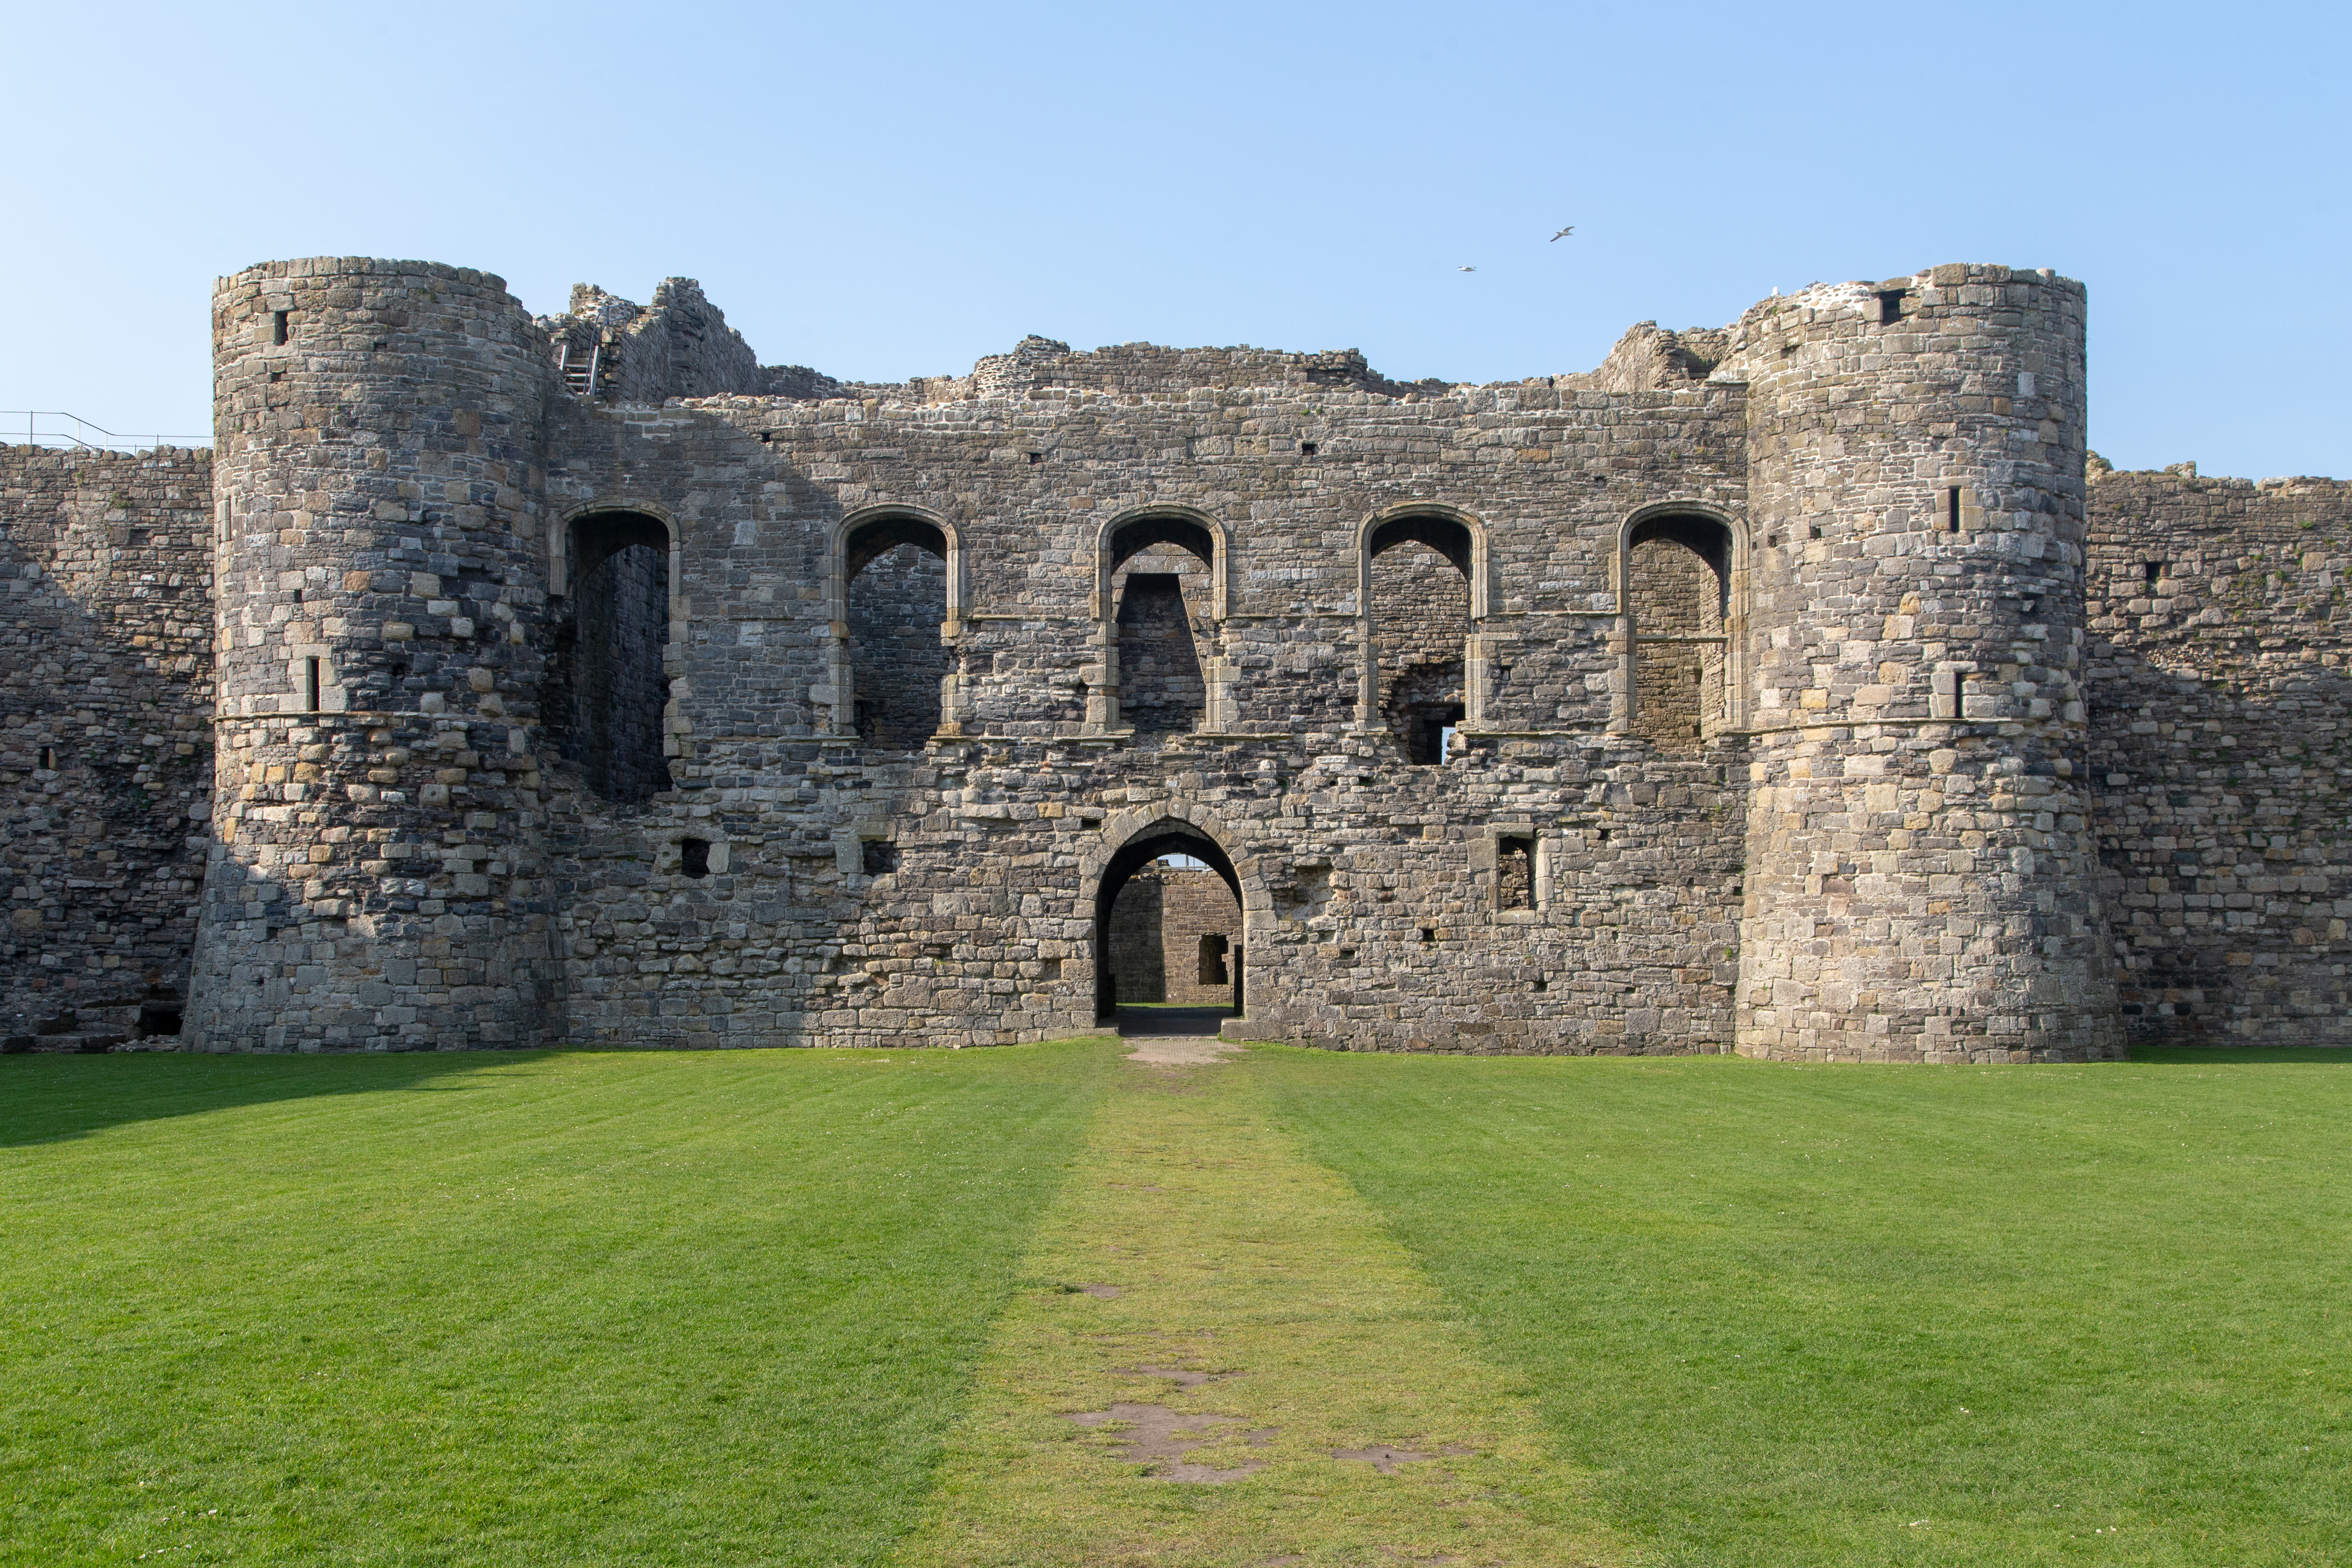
x,y
1790,689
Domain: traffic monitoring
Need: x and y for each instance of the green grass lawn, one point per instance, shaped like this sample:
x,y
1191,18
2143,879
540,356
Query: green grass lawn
x,y
727,1308
691,1309
1850,1315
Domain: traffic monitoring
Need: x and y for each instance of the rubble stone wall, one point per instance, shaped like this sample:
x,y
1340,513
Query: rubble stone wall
x,y
1158,927
106,696
2221,747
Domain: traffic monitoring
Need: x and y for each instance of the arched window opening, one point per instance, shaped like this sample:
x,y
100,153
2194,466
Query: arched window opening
x,y
1168,933
897,570
1163,610
1420,629
612,690
1678,598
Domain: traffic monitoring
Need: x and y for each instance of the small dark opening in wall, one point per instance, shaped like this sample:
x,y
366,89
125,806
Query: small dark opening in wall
x,y
694,857
767,434
878,856
310,684
49,759
1306,449
277,326
1211,968
1952,510
1036,457
297,596
1771,541
1604,835
2155,569
380,345
1814,532
1428,936
1541,984
158,1018
1890,306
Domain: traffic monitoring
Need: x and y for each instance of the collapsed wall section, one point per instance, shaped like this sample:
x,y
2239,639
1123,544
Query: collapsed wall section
x,y
2220,676
106,693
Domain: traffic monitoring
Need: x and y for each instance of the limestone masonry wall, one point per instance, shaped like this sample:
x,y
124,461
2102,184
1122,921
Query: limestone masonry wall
x,y
1782,688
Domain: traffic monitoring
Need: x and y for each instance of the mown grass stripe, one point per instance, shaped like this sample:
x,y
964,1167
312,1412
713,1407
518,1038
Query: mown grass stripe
x,y
1235,1255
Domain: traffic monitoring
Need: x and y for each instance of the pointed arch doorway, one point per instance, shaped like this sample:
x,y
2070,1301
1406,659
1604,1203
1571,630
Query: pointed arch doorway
x,y
1147,845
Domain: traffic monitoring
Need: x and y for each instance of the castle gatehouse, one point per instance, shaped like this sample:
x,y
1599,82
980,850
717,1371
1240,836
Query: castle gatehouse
x,y
1790,689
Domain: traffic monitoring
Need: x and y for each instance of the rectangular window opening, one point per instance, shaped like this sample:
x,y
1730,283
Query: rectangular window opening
x,y
49,759
1890,306
1515,880
278,326
1952,510
2155,569
310,685
1306,449
694,857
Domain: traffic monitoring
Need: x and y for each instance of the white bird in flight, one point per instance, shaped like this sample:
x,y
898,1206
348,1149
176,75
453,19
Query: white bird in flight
x,y
1564,234
1466,269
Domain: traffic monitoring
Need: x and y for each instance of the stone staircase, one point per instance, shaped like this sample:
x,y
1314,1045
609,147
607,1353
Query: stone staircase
x,y
93,1029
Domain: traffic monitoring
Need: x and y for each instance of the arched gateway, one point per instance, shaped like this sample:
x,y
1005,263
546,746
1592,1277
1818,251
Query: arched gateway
x,y
1133,840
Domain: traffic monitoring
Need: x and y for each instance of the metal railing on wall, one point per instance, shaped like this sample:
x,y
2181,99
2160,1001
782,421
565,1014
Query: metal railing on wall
x,y
71,432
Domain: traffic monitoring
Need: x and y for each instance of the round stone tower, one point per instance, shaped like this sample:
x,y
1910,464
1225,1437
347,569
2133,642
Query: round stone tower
x,y
1920,866
378,516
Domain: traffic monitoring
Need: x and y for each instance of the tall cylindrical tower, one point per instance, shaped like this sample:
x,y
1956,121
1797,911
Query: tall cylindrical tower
x,y
1920,863
379,505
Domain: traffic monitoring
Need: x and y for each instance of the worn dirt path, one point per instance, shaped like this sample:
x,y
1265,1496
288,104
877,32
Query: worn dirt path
x,y
1218,1357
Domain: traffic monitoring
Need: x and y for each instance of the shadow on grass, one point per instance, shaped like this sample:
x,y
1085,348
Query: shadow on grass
x,y
49,1099
2232,1056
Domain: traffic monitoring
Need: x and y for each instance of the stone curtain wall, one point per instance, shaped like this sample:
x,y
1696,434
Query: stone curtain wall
x,y
106,561
2222,746
1156,929
896,605
1421,616
1161,690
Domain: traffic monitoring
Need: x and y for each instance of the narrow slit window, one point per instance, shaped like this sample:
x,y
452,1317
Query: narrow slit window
x,y
278,326
310,684
49,759
1952,510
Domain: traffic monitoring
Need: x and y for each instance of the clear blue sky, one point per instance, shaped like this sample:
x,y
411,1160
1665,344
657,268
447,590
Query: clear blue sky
x,y
880,191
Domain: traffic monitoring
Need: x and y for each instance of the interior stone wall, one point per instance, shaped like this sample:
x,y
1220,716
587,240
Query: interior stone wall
x,y
1421,617
1678,685
1157,925
896,605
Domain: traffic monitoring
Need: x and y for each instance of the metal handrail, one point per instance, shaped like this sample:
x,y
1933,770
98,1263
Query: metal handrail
x,y
79,437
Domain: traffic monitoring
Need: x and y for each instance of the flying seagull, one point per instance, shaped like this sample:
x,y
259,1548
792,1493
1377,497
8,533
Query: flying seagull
x,y
1466,269
1564,234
